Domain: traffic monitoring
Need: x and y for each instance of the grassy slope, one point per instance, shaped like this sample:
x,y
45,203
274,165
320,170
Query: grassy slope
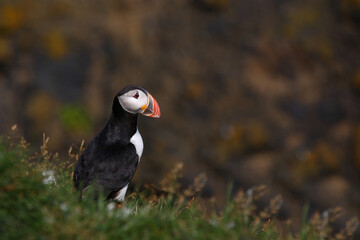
x,y
30,209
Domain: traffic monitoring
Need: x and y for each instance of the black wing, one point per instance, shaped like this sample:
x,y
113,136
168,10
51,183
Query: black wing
x,y
110,166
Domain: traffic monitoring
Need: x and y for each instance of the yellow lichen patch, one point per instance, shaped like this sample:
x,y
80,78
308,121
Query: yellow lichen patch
x,y
348,5
321,158
55,44
257,135
326,156
299,19
217,4
40,108
231,142
321,45
356,80
357,147
59,8
195,90
5,50
236,138
310,18
308,167
11,17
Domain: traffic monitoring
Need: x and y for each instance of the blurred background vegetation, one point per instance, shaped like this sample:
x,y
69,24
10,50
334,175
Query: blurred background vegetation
x,y
251,92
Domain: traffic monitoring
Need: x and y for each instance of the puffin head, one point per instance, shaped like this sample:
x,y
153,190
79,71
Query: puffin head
x,y
135,99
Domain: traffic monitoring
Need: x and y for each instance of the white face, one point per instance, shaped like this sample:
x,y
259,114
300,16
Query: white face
x,y
133,101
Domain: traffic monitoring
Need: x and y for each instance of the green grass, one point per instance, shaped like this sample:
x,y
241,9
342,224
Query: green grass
x,y
32,209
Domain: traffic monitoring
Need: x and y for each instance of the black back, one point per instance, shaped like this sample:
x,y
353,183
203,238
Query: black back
x,y
109,160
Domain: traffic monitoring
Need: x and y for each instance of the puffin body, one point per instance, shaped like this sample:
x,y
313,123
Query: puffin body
x,y
110,159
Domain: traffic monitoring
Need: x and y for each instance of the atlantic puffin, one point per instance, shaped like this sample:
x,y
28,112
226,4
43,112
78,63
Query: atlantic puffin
x,y
110,159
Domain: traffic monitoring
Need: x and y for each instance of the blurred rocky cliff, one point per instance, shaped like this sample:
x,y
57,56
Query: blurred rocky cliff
x,y
250,91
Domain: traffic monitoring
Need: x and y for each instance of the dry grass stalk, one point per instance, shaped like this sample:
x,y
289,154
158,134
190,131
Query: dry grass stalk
x,y
274,207
77,154
245,201
350,228
321,223
197,186
44,149
170,182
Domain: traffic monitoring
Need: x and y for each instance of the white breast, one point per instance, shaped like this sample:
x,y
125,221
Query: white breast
x,y
137,141
120,196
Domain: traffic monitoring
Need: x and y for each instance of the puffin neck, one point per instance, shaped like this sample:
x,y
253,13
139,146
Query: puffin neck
x,y
122,125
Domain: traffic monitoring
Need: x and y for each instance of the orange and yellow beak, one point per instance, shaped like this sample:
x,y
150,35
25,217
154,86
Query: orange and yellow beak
x,y
151,109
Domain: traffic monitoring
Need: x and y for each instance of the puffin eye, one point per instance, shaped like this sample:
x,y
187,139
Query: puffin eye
x,y
136,95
